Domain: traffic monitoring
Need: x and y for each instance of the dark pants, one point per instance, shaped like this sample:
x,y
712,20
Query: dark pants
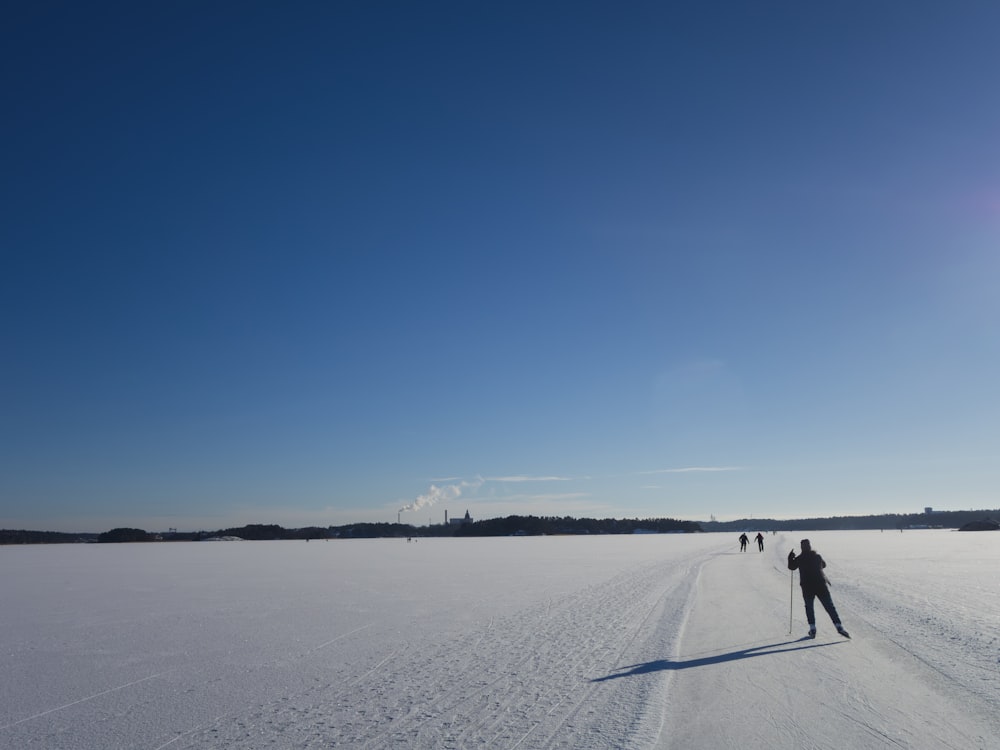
x,y
825,599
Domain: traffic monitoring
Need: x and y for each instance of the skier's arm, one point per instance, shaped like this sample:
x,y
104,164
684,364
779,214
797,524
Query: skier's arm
x,y
793,562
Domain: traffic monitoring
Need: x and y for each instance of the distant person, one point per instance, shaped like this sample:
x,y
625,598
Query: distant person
x,y
813,581
744,540
760,541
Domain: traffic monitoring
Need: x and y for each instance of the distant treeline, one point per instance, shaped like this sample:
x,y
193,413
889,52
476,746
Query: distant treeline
x,y
519,526
512,525
947,519
535,526
21,536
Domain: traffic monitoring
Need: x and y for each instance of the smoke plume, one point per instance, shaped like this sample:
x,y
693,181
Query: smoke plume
x,y
436,494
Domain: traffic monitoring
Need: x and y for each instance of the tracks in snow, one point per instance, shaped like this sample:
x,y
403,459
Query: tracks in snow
x,y
530,679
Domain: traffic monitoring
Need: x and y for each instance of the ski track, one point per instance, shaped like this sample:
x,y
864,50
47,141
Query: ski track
x,y
832,693
522,681
669,652
925,634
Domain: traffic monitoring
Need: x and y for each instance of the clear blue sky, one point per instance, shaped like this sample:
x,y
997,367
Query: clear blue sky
x,y
313,263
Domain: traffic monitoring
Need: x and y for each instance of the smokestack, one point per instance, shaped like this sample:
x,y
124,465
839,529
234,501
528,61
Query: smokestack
x,y
446,518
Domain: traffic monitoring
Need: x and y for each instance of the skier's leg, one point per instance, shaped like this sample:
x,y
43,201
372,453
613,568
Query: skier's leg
x,y
827,601
809,598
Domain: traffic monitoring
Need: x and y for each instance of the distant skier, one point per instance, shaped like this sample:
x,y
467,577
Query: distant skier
x,y
760,541
813,581
744,539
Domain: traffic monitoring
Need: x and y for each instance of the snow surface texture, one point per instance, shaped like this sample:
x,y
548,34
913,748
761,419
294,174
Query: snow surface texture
x,y
667,641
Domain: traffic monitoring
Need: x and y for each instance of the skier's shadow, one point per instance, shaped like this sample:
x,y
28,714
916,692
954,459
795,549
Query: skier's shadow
x,y
661,665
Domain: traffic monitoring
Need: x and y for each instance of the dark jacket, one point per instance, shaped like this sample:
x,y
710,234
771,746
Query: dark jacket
x,y
810,566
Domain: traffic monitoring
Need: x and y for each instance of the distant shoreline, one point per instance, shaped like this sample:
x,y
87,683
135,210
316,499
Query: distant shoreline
x,y
518,526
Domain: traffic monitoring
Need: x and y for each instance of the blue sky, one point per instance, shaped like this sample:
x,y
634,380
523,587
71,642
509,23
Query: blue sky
x,y
316,263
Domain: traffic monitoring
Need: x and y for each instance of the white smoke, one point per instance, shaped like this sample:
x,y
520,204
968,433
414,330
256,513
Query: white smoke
x,y
436,494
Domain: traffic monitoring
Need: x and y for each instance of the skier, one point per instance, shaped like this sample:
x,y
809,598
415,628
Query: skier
x,y
814,585
760,541
743,542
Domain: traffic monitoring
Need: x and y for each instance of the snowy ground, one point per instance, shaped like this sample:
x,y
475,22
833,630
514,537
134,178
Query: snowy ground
x,y
667,641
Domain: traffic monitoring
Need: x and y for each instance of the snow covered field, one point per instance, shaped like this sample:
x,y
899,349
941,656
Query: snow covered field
x,y
666,641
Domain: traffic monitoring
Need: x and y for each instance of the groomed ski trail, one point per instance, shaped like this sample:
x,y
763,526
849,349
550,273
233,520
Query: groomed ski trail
x,y
739,680
530,680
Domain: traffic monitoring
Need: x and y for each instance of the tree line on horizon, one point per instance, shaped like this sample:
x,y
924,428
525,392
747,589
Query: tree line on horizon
x,y
946,519
514,526
509,526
